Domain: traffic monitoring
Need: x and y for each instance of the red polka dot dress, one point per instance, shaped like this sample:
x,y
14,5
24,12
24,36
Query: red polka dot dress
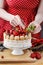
x,y
26,9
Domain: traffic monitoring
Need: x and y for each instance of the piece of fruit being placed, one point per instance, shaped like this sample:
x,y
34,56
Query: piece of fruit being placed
x,y
31,28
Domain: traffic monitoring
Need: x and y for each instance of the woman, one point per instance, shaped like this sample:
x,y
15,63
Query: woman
x,y
20,12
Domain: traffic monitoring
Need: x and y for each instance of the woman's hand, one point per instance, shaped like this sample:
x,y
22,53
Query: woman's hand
x,y
38,20
17,21
37,27
14,20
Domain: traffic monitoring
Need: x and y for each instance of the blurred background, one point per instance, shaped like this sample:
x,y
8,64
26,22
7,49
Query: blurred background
x,y
42,31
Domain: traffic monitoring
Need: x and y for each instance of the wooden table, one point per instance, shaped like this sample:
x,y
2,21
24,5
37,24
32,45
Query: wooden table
x,y
38,62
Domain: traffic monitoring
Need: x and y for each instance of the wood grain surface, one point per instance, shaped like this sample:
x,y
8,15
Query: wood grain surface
x,y
10,59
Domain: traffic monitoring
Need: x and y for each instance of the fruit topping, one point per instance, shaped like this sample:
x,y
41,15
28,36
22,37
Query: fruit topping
x,y
11,31
15,33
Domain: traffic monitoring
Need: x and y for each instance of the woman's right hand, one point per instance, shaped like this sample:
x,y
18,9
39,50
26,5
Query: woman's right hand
x,y
14,20
17,21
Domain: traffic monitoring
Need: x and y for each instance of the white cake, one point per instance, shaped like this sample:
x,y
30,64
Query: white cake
x,y
17,43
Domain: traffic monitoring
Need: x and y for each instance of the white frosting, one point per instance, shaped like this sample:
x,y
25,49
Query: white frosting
x,y
12,44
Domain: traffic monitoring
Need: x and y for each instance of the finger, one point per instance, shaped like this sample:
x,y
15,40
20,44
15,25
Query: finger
x,y
30,24
19,22
12,24
37,30
15,21
22,25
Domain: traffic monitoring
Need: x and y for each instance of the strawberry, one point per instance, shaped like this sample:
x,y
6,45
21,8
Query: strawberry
x,y
32,55
15,33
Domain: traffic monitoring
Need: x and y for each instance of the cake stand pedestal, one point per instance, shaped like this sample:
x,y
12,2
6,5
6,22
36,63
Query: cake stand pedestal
x,y
17,52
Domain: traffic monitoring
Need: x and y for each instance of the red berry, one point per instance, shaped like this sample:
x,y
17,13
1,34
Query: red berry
x,y
21,28
32,55
15,33
19,31
23,34
24,31
20,34
7,31
17,28
11,31
38,55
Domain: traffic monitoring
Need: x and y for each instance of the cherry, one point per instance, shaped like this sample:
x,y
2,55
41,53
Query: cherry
x,y
38,55
32,55
15,33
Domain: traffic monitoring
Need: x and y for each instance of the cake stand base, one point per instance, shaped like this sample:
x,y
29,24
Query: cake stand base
x,y
17,52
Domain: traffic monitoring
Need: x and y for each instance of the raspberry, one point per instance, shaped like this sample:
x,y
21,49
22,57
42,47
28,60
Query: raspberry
x,y
33,55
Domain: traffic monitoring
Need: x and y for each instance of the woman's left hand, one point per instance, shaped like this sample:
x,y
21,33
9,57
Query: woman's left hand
x,y
37,27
